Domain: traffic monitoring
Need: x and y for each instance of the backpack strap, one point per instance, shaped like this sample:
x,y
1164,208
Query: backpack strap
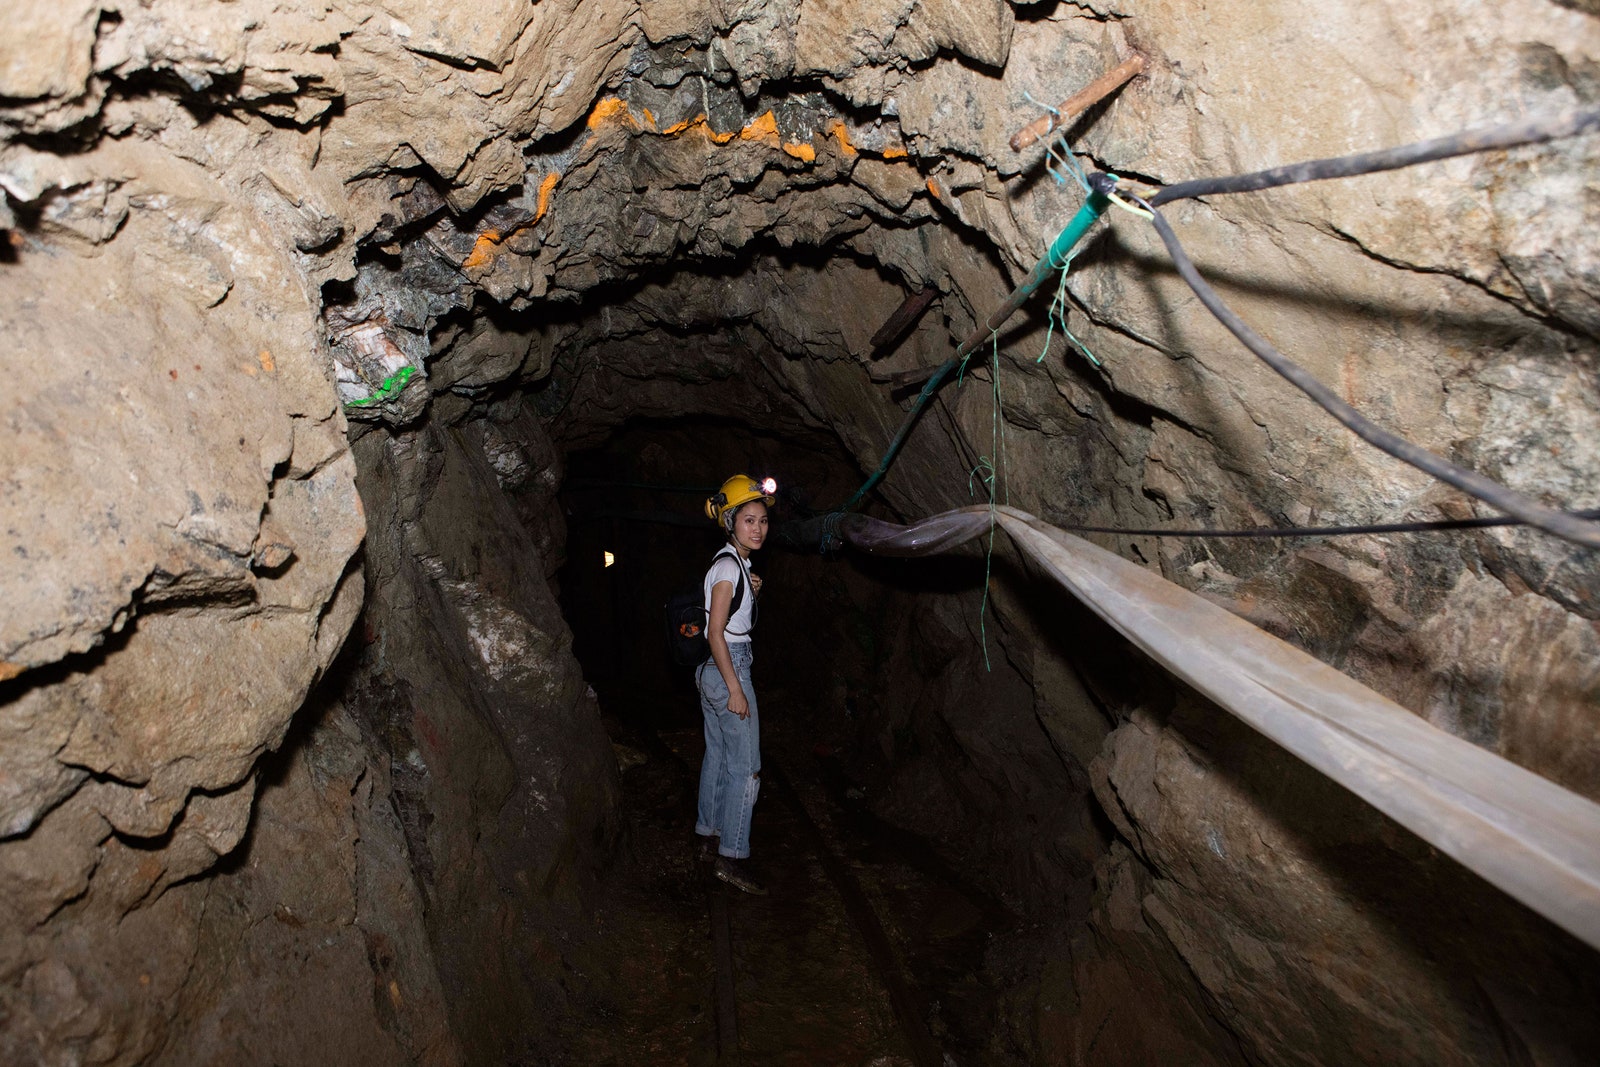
x,y
738,588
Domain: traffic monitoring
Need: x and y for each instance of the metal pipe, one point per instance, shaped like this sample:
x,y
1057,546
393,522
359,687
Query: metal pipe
x,y
1057,257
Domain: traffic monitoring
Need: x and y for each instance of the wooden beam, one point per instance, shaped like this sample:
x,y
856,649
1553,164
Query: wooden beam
x,y
1079,102
898,323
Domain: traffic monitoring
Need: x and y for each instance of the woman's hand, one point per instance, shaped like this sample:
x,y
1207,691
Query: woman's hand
x,y
755,584
717,638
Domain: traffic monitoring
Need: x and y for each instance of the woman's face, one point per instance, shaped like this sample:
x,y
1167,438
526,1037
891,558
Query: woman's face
x,y
750,525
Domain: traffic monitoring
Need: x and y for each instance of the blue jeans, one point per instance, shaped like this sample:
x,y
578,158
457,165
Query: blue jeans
x,y
730,776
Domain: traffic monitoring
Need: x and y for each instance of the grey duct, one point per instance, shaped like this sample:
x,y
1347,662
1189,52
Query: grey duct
x,y
1526,835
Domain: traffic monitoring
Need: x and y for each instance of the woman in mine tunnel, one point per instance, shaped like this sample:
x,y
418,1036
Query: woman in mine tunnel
x,y
730,777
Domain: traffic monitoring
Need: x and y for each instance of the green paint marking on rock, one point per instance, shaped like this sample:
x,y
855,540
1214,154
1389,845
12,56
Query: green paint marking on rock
x,y
391,387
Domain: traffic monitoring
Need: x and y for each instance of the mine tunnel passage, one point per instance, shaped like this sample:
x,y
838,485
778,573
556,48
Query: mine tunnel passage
x,y
899,853
915,767
1179,623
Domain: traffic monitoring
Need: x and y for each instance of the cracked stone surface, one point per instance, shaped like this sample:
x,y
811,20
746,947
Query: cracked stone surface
x,y
469,238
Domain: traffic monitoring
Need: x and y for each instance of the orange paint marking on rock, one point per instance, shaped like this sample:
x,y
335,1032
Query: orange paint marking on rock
x,y
9,671
703,125
764,128
933,190
483,250
895,153
609,108
843,136
545,186
265,359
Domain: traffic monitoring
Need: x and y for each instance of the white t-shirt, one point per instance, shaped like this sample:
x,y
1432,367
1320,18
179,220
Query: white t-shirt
x,y
727,567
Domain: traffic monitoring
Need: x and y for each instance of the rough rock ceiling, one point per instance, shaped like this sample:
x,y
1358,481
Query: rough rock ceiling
x,y
235,230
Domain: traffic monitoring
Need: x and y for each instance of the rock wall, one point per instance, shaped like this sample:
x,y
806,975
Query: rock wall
x,y
501,776
181,526
309,944
233,231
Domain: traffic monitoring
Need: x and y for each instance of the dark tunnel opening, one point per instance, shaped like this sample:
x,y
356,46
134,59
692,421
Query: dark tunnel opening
x,y
880,817
941,790
639,500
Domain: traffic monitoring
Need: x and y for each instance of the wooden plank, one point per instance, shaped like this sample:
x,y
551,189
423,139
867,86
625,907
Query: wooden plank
x,y
898,323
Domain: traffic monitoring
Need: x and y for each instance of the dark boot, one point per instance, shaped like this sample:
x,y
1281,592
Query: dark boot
x,y
708,847
737,874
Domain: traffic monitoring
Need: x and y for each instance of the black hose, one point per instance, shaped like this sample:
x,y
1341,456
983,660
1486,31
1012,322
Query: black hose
x,y
1534,131
1494,494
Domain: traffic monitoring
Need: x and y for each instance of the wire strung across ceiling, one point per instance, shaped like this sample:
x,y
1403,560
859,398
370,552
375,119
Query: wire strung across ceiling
x,y
1105,190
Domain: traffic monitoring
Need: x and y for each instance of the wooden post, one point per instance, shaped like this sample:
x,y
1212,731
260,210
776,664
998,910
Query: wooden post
x,y
1078,102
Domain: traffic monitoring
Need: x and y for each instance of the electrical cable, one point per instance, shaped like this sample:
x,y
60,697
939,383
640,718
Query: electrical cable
x,y
1512,135
1500,497
1320,531
1107,190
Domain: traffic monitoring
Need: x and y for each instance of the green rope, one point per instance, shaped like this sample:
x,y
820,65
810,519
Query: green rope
x,y
1000,421
984,473
1057,315
391,387
1081,346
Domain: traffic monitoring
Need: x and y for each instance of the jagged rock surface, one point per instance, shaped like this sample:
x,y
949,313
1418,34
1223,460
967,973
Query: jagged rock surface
x,y
232,227
502,778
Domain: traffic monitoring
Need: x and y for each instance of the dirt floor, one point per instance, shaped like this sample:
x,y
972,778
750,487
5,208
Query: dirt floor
x,y
866,951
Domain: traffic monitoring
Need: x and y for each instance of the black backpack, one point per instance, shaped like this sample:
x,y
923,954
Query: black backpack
x,y
686,622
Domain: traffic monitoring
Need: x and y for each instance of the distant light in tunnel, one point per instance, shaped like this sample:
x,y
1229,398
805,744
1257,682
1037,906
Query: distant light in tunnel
x,y
610,559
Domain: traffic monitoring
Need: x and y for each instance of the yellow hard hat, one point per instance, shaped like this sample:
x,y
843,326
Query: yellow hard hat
x,y
734,494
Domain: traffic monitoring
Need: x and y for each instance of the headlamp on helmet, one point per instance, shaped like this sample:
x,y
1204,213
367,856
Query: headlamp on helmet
x,y
734,494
